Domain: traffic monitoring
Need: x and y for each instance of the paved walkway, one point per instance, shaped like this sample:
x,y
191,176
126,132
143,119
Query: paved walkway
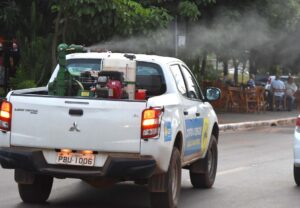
x,y
238,121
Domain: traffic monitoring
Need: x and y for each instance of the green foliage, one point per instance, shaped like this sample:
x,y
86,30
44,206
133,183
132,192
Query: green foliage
x,y
28,22
277,70
133,18
280,14
189,10
107,19
19,82
2,92
35,63
211,73
79,21
9,14
205,2
91,21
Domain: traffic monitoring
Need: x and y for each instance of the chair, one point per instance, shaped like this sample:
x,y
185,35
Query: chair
x,y
297,101
221,103
252,100
280,100
262,104
234,99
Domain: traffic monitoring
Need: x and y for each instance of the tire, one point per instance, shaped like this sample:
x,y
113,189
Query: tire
x,y
297,175
169,199
207,179
141,182
38,192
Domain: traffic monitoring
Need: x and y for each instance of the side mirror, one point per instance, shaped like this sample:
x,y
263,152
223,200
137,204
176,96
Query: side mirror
x,y
212,93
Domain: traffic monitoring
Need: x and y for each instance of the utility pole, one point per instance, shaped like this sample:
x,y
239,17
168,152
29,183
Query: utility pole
x,y
176,35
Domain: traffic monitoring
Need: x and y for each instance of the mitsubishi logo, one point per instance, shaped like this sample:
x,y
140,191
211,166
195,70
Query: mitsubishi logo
x,y
74,127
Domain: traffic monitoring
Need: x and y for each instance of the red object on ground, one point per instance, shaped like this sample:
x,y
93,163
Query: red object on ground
x,y
140,94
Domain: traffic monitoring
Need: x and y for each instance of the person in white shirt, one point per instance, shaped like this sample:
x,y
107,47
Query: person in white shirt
x,y
291,88
278,89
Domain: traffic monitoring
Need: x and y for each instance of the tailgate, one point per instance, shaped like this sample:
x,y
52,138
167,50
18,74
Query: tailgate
x,y
55,123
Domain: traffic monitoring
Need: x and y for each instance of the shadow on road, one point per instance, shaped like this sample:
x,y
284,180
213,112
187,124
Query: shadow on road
x,y
127,195
81,195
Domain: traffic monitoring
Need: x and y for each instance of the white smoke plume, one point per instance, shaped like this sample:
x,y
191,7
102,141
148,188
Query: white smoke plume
x,y
222,35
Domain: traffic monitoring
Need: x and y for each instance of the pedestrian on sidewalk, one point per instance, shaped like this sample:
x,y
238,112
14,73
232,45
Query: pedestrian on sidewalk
x,y
291,89
278,89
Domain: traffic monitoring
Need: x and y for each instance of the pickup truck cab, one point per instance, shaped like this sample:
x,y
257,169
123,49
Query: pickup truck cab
x,y
162,124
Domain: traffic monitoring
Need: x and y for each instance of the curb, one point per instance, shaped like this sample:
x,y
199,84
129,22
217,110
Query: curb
x,y
256,124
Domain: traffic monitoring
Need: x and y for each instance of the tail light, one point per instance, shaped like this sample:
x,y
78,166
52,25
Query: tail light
x,y
5,116
151,122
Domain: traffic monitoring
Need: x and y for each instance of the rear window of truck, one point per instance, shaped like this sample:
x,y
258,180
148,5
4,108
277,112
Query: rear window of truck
x,y
149,76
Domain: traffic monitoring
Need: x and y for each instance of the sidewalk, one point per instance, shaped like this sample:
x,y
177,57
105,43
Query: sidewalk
x,y
238,121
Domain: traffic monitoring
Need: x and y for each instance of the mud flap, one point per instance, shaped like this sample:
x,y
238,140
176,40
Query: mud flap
x,y
24,177
200,166
158,183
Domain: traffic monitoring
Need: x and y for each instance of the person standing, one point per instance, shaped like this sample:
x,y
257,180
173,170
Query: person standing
x,y
14,58
251,81
2,67
1,55
291,89
278,89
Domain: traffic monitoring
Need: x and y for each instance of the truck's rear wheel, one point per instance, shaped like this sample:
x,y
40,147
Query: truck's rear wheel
x,y
297,175
169,199
206,178
38,191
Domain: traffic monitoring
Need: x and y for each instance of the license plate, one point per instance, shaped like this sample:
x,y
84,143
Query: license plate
x,y
75,159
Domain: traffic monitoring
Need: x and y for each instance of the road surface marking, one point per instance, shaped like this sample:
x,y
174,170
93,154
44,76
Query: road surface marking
x,y
232,170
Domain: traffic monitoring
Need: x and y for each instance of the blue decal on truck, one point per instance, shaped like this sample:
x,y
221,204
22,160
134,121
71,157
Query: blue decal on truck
x,y
168,131
193,136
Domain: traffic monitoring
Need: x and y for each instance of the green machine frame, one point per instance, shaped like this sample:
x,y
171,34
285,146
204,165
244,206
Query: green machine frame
x,y
64,81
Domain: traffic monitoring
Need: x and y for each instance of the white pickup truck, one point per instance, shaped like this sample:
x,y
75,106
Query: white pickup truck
x,y
147,138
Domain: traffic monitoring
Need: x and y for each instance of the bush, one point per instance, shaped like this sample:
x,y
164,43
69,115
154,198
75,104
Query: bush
x,y
211,73
35,64
22,80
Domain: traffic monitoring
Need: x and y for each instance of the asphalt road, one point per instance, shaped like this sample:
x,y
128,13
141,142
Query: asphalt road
x,y
255,170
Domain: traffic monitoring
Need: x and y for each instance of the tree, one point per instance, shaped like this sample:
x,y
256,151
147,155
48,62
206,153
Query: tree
x,y
227,28
77,21
105,19
260,27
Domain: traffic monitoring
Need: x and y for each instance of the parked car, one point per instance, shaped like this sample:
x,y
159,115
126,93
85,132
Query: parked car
x,y
261,80
297,152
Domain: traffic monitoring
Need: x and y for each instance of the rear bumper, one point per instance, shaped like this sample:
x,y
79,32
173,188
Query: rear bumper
x,y
114,167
